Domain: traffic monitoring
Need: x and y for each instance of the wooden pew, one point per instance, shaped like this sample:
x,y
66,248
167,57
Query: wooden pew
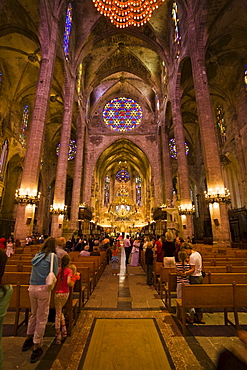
x,y
12,268
204,296
236,269
219,269
20,300
240,300
86,279
156,272
97,263
163,278
227,278
22,278
169,288
70,311
79,289
93,272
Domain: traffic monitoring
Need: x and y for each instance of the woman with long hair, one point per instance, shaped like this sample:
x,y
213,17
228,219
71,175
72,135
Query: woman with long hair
x,y
5,295
61,296
39,298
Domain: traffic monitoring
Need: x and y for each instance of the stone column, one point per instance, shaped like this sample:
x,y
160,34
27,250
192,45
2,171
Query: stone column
x,y
240,154
86,194
183,171
76,191
62,164
167,171
215,183
30,176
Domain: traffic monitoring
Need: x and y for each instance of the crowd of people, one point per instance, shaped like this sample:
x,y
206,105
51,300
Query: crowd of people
x,y
166,249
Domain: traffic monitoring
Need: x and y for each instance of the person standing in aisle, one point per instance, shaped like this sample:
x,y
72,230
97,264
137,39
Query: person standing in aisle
x,y
127,248
39,298
149,260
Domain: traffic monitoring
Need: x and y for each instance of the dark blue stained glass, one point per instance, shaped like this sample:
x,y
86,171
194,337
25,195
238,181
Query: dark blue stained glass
x,y
122,114
122,176
67,30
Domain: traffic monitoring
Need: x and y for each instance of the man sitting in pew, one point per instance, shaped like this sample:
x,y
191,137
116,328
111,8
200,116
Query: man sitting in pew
x,y
195,275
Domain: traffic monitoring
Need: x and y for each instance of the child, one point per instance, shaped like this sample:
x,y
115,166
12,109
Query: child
x,y
149,260
61,296
182,278
114,259
75,275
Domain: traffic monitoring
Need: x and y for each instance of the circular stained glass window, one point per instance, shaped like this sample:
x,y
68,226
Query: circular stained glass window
x,y
71,151
122,176
173,149
122,114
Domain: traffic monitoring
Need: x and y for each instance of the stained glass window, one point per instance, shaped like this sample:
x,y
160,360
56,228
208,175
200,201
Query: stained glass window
x,y
138,190
71,151
245,76
24,123
173,148
221,123
67,30
1,77
79,79
175,19
164,73
122,176
123,191
107,191
122,114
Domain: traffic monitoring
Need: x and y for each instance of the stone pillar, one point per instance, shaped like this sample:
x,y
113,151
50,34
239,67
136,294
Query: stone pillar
x,y
167,171
215,183
76,191
183,171
30,176
86,194
62,164
240,154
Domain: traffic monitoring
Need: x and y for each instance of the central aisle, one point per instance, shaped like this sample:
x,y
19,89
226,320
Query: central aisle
x,y
121,297
125,291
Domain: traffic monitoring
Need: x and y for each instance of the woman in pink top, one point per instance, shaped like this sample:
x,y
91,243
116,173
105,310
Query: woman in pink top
x,y
61,296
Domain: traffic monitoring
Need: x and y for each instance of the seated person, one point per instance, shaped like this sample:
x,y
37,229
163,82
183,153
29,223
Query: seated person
x,y
85,251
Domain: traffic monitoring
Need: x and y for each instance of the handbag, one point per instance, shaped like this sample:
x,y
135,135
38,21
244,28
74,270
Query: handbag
x,y
51,278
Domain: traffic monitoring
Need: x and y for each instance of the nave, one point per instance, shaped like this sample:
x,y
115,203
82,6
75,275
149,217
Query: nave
x,y
125,325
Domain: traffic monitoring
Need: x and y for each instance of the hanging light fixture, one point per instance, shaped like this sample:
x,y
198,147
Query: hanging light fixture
x,y
127,13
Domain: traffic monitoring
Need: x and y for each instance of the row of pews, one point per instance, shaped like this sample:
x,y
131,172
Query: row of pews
x,y
17,273
224,285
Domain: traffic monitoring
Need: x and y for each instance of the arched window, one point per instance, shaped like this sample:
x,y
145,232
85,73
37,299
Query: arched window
x,y
221,124
79,79
175,19
122,114
107,191
24,123
67,30
71,150
138,190
173,148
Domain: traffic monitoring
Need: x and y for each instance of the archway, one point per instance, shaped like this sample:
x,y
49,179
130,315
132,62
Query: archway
x,y
122,189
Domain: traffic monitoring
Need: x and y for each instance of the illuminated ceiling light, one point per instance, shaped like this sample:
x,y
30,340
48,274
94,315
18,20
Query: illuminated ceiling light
x,y
127,13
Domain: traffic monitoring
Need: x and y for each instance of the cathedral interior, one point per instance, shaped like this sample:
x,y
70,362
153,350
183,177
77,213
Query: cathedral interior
x,y
124,123
124,116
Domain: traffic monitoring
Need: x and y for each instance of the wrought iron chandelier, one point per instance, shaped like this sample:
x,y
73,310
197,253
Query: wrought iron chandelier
x,y
127,13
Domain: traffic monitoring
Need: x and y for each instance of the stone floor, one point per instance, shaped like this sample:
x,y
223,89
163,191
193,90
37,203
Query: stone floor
x,y
126,295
